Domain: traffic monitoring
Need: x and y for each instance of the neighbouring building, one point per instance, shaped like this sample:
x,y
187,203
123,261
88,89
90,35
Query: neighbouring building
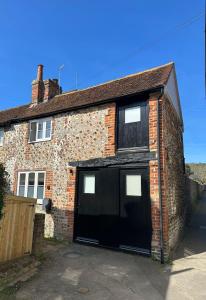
x,y
110,157
197,172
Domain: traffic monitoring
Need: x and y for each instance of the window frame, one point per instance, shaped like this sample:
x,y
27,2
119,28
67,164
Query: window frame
x,y
2,141
137,106
37,121
139,192
143,102
39,201
89,175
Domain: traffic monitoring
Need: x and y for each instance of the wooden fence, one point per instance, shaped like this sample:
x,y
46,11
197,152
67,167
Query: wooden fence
x,y
16,227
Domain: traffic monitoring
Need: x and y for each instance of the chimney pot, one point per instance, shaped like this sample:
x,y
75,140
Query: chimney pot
x,y
44,90
40,73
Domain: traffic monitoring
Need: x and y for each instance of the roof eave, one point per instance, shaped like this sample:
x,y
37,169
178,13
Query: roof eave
x,y
109,100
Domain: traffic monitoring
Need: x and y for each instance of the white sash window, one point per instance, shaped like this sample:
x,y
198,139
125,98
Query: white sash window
x,y
31,184
40,130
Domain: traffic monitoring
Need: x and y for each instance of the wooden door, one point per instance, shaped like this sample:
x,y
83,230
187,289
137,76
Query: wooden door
x,y
114,208
135,210
88,208
133,125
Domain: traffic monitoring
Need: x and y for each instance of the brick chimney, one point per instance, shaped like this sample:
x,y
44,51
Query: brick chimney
x,y
51,88
43,90
38,86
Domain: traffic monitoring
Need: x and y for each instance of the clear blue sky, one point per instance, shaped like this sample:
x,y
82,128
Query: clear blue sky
x,y
100,40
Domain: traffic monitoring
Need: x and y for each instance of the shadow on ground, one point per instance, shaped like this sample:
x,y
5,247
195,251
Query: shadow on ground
x,y
81,272
195,237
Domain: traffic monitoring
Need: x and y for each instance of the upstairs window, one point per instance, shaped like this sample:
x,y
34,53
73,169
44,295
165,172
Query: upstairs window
x,y
40,130
132,114
1,137
132,129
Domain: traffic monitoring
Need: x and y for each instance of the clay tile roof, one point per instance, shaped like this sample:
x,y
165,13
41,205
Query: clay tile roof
x,y
132,84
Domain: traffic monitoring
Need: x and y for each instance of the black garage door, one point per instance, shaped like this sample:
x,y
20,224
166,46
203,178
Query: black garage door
x,y
113,208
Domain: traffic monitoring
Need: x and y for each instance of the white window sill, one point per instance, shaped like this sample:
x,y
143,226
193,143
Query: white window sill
x,y
39,141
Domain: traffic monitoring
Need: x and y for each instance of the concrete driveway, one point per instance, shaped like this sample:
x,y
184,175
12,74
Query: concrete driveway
x,y
82,272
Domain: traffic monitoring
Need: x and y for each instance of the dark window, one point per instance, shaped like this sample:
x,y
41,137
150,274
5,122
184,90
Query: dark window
x,y
133,125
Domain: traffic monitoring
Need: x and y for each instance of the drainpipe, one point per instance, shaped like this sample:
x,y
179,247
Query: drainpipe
x,y
159,180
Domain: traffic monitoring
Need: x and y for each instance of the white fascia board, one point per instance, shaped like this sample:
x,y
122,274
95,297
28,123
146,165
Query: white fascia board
x,y
171,92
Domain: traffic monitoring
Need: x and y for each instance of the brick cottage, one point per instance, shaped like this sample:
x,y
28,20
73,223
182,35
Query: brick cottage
x,y
110,157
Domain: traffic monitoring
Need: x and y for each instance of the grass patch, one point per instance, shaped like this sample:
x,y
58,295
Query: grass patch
x,y
8,292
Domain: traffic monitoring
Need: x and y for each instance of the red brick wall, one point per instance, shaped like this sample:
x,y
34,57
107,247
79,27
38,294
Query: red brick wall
x,y
51,89
71,200
153,171
172,177
44,90
110,121
37,91
155,208
49,184
153,122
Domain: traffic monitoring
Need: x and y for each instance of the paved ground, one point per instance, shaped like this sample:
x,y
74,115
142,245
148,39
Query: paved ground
x,y
81,272
188,274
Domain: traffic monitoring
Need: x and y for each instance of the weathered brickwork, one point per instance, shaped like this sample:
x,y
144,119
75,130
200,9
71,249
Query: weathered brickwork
x,y
173,172
78,135
71,200
37,92
155,208
153,122
154,182
110,120
172,177
43,90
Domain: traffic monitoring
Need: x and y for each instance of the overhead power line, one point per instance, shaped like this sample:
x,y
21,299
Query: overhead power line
x,y
150,43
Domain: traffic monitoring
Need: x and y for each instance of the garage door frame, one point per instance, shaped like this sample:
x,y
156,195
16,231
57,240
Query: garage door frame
x,y
120,167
